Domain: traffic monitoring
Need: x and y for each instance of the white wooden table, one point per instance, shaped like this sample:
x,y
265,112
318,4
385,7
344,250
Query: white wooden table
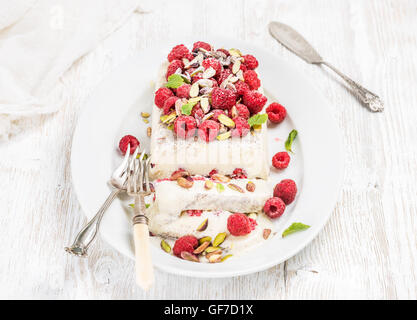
x,y
369,247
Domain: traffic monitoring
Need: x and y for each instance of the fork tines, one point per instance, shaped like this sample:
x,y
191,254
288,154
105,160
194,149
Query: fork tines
x,y
138,174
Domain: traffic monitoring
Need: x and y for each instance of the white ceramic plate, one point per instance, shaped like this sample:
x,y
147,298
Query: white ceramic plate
x,y
114,111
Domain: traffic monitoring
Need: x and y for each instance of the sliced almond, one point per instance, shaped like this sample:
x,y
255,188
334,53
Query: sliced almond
x,y
215,258
236,67
220,178
203,225
266,233
184,182
189,256
205,105
208,185
235,52
202,247
235,187
233,112
250,186
169,117
226,121
209,73
194,90
239,75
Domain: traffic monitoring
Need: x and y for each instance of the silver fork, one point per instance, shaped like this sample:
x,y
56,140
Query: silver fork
x,y
138,186
88,233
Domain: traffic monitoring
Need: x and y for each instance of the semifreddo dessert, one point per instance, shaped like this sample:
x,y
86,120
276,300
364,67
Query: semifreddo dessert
x,y
209,156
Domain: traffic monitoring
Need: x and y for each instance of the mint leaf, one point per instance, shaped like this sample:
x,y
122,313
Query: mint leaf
x,y
295,227
257,119
174,81
219,187
188,107
290,140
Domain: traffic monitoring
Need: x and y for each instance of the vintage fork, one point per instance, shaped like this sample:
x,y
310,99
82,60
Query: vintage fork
x,y
138,186
88,233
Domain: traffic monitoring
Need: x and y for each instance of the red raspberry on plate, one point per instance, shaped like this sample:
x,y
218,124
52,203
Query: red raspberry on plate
x,y
214,63
241,87
251,78
252,223
201,44
128,140
183,91
161,95
254,100
276,112
173,66
239,224
286,190
281,160
185,243
242,127
169,104
178,52
223,98
274,207
208,130
242,111
223,75
216,113
185,126
239,173
250,62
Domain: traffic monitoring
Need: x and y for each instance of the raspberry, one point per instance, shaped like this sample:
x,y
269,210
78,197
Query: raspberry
x,y
161,95
183,91
251,78
239,173
128,140
223,98
254,100
185,126
214,63
239,224
214,171
274,207
250,62
185,243
224,51
252,223
169,103
241,87
286,190
242,127
201,44
242,111
194,213
276,112
216,113
243,67
223,75
178,52
281,160
173,66
197,112
208,130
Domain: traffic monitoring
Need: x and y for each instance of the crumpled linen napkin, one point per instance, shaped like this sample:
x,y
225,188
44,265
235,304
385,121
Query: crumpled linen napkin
x,y
40,40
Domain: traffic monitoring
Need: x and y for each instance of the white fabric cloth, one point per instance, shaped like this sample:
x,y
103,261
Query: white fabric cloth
x,y
40,40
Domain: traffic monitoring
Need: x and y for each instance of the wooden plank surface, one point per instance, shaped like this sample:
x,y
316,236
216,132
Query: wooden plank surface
x,y
368,250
